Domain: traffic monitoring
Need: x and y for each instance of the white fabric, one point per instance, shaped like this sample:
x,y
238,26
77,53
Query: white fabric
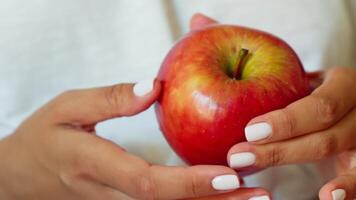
x,y
49,46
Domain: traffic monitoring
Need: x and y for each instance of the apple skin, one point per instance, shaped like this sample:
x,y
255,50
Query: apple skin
x,y
202,111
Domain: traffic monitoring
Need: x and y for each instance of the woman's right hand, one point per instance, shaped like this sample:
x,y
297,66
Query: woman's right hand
x,y
55,154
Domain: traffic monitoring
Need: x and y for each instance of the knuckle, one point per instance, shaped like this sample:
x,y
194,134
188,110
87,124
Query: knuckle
x,y
146,188
274,156
326,109
327,148
284,123
193,184
67,179
79,164
58,107
71,178
115,98
66,95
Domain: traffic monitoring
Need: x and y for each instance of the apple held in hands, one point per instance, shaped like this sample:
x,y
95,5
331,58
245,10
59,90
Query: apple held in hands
x,y
215,80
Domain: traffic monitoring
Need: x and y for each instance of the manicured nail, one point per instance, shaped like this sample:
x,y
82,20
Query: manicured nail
x,y
338,194
143,87
239,160
225,182
258,131
260,198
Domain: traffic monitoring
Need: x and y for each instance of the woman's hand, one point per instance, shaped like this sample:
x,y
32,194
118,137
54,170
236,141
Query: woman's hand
x,y
316,127
55,154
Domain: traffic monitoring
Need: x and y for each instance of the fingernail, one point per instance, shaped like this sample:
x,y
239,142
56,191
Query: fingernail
x,y
260,198
143,87
225,182
338,194
258,131
239,160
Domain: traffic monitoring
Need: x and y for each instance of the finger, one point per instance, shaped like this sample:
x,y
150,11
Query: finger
x,y
318,111
89,106
88,189
161,182
240,194
340,188
199,20
312,147
315,79
139,179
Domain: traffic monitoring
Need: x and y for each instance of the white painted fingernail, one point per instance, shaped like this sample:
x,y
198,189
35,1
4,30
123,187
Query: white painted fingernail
x,y
258,131
260,198
143,87
225,182
338,194
239,160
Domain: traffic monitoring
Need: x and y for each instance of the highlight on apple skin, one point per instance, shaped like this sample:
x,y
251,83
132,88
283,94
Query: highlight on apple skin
x,y
215,80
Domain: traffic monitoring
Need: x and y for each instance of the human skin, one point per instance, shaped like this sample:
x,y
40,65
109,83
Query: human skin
x,y
209,95
314,128
317,127
55,154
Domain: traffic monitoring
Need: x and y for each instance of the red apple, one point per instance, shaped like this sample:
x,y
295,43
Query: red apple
x,y
215,80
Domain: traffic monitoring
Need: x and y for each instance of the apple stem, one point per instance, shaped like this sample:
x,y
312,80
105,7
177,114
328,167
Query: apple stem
x,y
241,60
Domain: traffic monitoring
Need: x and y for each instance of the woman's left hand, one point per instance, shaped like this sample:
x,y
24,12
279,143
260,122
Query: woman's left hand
x,y
314,128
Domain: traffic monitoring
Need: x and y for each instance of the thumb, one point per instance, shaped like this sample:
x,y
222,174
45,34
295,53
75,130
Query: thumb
x,y
340,188
240,194
89,106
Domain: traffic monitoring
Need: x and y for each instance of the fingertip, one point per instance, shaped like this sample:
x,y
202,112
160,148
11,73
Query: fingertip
x,y
147,89
261,194
332,191
323,194
200,20
338,194
141,96
257,194
241,194
239,147
196,15
242,157
144,87
225,182
258,131
219,178
264,197
212,170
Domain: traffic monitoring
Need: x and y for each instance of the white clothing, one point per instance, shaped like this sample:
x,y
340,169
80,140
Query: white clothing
x,y
49,46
